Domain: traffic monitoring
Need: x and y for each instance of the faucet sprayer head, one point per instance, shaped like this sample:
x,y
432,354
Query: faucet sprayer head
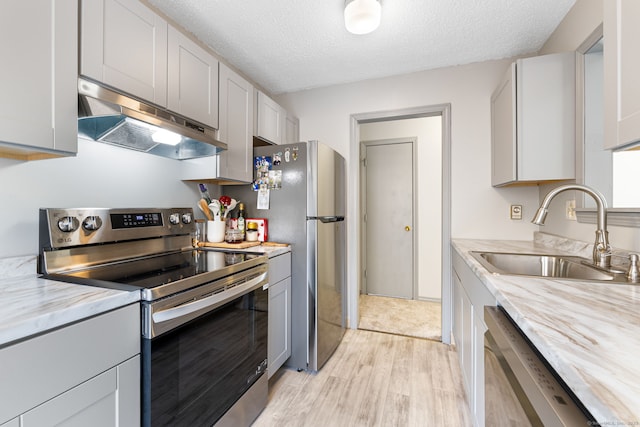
x,y
541,215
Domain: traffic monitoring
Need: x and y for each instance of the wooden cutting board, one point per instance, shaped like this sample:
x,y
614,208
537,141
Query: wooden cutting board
x,y
276,244
225,245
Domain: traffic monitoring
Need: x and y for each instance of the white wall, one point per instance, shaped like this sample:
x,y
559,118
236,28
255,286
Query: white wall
x,y
99,176
428,196
478,210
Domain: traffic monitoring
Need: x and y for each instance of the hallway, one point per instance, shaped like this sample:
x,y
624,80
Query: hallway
x,y
412,318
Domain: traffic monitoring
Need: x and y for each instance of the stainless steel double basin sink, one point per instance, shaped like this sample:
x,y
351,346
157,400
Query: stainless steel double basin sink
x,y
548,266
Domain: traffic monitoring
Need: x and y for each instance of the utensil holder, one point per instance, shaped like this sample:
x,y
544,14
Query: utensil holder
x,y
215,231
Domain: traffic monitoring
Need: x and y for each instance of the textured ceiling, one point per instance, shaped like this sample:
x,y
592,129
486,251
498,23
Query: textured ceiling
x,y
286,46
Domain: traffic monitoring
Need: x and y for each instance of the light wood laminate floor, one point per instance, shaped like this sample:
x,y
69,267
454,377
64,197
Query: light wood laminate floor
x,y
373,379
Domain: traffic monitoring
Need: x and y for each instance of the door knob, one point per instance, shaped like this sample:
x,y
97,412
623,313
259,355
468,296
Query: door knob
x,y
407,228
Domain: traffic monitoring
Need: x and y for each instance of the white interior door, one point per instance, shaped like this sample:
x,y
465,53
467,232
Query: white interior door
x,y
389,218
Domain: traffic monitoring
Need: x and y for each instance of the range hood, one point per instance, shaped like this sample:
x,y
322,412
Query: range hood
x,y
105,115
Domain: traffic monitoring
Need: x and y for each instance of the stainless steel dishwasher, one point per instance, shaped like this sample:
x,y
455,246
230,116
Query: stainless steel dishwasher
x,y
520,388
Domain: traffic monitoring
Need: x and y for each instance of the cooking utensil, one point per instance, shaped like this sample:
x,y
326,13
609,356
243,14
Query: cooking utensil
x,y
202,204
232,205
214,206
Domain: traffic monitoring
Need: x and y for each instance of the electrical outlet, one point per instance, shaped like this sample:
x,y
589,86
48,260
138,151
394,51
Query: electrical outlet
x,y
570,211
516,211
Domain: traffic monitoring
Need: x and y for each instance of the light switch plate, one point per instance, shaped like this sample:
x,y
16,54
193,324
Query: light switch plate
x,y
516,211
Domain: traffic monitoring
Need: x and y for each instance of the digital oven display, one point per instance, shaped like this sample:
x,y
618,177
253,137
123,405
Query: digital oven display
x,y
135,220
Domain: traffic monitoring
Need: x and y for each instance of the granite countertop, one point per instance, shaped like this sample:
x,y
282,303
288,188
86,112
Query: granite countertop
x,y
588,332
30,305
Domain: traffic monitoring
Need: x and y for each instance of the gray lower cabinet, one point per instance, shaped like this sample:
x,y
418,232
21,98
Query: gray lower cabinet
x,y
87,373
279,341
470,296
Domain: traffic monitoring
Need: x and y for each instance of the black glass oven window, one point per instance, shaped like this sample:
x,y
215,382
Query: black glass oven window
x,y
194,374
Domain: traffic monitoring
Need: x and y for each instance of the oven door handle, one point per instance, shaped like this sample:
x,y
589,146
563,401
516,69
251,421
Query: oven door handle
x,y
216,300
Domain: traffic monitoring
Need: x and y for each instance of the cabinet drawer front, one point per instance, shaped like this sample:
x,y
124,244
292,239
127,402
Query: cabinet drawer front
x,y
41,368
279,268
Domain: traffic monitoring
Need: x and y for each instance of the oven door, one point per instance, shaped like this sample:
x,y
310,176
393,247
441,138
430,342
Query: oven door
x,y
196,371
520,389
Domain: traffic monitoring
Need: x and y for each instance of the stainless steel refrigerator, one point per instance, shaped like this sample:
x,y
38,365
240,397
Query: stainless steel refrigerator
x,y
306,209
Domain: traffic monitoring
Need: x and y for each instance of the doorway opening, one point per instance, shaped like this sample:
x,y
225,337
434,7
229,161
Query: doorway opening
x,y
427,218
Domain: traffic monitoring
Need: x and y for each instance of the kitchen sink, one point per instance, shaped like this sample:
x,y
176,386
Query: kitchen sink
x,y
541,265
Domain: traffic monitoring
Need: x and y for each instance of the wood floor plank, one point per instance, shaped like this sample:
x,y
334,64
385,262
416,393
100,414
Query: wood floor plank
x,y
373,379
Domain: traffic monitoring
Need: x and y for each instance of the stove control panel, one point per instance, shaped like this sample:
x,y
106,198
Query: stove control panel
x,y
61,228
138,219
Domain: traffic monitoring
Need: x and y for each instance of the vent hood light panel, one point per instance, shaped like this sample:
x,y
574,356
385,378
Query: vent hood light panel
x,y
109,117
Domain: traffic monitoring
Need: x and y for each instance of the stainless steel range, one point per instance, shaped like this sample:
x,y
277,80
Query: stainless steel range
x,y
204,313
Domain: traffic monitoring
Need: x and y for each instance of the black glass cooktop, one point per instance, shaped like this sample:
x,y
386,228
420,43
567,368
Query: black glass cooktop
x,y
159,270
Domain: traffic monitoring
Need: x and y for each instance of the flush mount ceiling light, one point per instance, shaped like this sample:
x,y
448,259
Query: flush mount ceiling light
x,y
362,16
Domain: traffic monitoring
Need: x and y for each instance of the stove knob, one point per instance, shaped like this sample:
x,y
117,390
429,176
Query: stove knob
x,y
174,218
68,224
186,218
92,223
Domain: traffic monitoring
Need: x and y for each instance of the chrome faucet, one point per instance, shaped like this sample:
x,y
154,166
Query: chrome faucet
x,y
601,247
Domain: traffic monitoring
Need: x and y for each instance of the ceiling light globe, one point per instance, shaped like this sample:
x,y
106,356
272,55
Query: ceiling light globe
x,y
362,16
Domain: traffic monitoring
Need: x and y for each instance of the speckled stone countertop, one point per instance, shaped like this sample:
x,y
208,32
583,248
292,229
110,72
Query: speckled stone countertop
x,y
30,305
588,332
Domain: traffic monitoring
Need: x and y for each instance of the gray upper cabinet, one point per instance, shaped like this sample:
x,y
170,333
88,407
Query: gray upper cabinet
x,y
270,120
236,109
236,126
193,80
292,130
533,121
38,79
621,70
124,45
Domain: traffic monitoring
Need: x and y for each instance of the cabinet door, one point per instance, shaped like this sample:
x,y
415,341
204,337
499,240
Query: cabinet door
x,y
621,70
292,130
91,403
479,328
279,338
236,126
545,123
503,130
124,45
533,121
38,78
192,79
110,399
271,119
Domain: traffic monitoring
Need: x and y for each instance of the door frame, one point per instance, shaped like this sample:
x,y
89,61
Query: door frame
x,y
414,209
353,208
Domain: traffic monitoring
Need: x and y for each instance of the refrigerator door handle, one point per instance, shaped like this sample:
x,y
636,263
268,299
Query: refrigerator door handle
x,y
326,219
